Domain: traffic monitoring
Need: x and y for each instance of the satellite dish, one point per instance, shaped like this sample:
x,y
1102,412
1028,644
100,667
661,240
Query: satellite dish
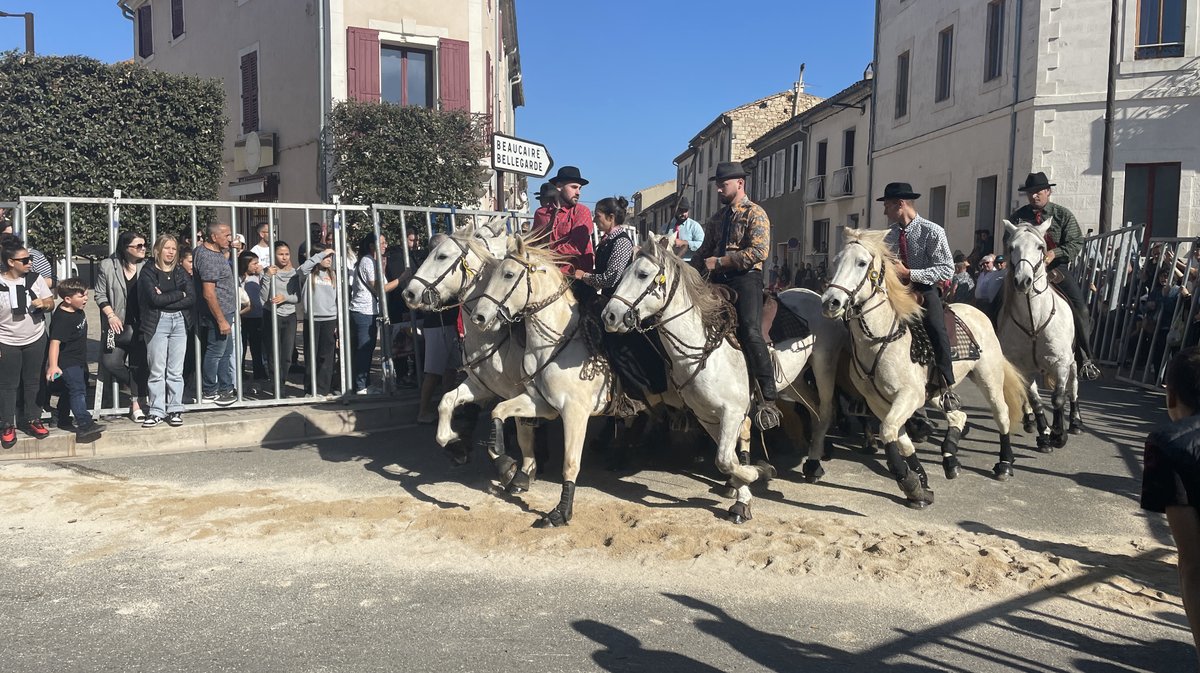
x,y
253,153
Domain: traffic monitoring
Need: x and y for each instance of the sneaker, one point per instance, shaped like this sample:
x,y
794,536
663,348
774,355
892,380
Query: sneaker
x,y
151,421
88,433
8,438
175,419
209,398
137,415
226,398
37,430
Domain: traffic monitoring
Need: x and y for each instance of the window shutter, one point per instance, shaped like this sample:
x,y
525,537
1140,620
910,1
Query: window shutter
x,y
176,19
454,74
250,92
145,32
362,65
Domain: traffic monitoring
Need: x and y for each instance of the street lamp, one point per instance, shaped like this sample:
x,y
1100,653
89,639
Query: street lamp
x,y
28,28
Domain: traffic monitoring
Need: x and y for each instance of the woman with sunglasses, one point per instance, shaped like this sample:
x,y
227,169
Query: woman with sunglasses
x,y
24,300
123,349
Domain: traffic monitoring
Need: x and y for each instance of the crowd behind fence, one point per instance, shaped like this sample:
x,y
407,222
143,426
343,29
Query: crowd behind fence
x,y
189,220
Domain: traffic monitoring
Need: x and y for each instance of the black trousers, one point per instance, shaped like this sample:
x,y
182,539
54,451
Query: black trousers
x,y
935,324
1079,312
749,288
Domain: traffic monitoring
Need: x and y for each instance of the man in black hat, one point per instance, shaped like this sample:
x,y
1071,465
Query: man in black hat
x,y
689,235
1064,240
737,239
568,222
925,263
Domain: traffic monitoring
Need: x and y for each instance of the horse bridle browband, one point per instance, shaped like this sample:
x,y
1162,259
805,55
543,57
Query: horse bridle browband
x,y
631,320
431,297
876,278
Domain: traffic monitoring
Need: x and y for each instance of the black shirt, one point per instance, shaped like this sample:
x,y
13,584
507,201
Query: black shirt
x,y
1172,473
132,308
70,328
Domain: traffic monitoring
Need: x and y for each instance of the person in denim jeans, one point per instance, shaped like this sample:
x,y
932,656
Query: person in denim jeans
x,y
364,307
67,368
217,295
166,299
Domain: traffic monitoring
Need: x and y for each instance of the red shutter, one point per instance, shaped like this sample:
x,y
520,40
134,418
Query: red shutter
x,y
454,74
250,92
362,64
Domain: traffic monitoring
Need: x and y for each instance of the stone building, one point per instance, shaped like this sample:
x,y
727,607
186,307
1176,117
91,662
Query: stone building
x,y
972,96
653,206
728,138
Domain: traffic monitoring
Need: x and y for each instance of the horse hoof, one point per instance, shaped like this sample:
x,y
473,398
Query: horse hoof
x,y
459,453
1076,428
506,467
1044,445
916,504
813,471
520,483
766,471
916,496
727,490
743,457
1002,471
1058,440
554,519
1029,426
739,513
951,467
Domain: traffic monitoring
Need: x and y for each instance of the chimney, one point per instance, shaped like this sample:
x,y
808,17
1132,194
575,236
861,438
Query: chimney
x,y
799,89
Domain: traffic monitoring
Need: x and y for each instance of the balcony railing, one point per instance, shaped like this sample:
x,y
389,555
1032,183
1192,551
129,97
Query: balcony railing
x,y
815,191
843,182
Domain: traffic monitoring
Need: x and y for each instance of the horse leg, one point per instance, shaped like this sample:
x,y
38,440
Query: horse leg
x,y
521,406
466,392
1059,400
574,429
902,459
992,386
1028,421
743,456
727,436
1039,415
525,477
825,374
955,421
1076,427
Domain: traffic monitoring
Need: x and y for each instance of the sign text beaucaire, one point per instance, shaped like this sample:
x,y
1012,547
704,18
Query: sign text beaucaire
x,y
514,155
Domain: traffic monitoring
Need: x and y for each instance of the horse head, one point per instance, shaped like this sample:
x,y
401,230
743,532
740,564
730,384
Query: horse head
x,y
1026,250
527,277
445,274
642,291
857,274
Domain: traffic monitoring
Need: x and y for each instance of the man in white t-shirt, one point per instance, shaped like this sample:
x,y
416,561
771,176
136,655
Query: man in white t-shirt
x,y
263,247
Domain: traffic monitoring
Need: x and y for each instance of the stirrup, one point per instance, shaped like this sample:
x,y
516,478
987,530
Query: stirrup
x,y
950,401
624,406
766,416
1088,370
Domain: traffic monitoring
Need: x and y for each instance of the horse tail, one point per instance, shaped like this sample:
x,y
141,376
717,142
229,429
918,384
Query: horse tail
x,y
1016,392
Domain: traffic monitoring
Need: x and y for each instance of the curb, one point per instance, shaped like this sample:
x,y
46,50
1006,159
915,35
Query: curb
x,y
211,430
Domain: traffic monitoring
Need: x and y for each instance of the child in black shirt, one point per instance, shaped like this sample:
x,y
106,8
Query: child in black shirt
x,y
67,370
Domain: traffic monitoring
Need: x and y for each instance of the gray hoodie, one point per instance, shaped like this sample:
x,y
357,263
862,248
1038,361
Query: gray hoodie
x,y
284,282
324,291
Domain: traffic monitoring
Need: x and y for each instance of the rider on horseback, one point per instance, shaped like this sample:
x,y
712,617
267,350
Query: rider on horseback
x,y
1063,243
925,262
736,242
568,222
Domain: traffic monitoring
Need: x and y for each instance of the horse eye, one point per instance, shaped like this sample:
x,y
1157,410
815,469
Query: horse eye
x,y
508,275
861,263
441,257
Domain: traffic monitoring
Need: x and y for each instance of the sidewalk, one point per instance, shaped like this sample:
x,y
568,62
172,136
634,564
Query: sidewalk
x,y
226,428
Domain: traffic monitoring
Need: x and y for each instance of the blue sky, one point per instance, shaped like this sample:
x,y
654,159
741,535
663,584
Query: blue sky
x,y
616,87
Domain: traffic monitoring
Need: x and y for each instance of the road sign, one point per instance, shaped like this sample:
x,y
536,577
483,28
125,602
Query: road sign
x,y
514,155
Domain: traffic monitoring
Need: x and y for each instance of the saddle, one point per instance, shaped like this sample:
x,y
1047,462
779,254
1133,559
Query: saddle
x,y
780,323
963,345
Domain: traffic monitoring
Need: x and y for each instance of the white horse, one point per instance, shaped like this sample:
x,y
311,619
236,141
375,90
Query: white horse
x,y
454,273
879,309
1037,331
660,292
563,370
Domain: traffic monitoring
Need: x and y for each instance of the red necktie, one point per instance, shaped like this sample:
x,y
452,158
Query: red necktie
x,y
904,247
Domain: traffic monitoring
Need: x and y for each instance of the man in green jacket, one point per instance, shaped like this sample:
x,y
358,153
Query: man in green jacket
x,y
1063,242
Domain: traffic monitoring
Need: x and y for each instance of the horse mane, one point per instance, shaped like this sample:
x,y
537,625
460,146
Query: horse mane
x,y
704,297
899,295
475,245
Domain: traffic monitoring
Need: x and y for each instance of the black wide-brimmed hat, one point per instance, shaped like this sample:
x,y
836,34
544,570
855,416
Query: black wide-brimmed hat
x,y
1035,182
568,174
727,170
682,204
547,191
898,190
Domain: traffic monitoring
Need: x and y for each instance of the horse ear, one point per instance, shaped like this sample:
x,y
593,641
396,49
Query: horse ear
x,y
1009,228
851,233
514,245
1044,227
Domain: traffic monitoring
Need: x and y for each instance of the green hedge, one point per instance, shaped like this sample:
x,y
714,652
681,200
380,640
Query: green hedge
x,y
385,153
73,126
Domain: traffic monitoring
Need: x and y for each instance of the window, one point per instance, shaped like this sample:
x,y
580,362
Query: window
x,y
1152,197
1160,28
795,165
902,85
145,32
848,147
937,205
249,68
778,163
993,65
176,19
406,76
985,204
820,236
945,63
822,156
712,155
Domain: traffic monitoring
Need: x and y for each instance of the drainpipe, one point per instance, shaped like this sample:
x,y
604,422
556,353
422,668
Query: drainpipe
x,y
1012,124
1106,170
871,133
322,79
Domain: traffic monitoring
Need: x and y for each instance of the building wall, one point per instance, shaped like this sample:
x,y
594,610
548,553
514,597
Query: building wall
x,y
851,209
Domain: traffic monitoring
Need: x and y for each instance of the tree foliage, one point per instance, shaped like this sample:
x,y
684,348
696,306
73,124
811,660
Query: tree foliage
x,y
405,155
74,126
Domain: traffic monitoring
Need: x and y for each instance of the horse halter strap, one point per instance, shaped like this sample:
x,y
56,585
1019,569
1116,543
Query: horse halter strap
x,y
876,279
431,295
660,279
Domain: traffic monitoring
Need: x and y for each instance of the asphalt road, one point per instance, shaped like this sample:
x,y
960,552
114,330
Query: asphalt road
x,y
75,596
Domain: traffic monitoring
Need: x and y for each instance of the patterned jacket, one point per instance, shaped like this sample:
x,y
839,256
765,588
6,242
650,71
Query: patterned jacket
x,y
1064,235
746,232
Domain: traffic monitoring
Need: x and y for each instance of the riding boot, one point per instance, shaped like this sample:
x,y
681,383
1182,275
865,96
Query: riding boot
x,y
1083,356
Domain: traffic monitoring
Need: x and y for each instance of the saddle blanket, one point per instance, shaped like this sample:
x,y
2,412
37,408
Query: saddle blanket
x,y
962,343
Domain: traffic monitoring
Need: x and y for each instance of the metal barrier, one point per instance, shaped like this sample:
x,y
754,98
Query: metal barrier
x,y
193,216
1142,297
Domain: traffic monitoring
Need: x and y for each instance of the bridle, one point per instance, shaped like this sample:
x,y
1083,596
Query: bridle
x,y
1033,331
875,277
654,288
431,296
